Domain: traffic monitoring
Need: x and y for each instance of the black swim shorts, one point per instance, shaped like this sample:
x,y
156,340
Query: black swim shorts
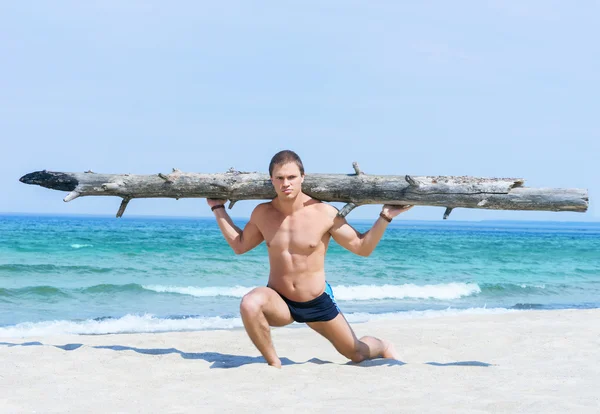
x,y
321,309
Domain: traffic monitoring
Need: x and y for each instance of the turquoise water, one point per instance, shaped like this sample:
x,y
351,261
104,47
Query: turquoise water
x,y
103,275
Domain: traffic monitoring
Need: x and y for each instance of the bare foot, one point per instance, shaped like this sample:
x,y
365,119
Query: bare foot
x,y
276,364
389,351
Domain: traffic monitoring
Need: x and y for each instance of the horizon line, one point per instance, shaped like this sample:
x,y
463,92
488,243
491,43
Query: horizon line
x,y
8,213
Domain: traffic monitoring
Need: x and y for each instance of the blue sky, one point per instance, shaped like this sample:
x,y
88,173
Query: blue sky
x,y
480,88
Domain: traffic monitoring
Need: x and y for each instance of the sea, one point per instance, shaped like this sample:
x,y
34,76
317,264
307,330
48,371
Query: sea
x,y
102,275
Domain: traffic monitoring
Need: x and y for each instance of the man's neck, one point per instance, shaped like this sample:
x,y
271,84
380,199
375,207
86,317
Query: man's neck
x,y
288,207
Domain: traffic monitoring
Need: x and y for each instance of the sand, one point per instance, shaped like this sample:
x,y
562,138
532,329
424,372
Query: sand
x,y
526,361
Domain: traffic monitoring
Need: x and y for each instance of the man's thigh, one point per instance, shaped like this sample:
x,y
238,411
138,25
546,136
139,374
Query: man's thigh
x,y
276,311
339,333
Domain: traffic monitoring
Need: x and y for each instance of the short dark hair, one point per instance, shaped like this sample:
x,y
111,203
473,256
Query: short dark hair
x,y
283,157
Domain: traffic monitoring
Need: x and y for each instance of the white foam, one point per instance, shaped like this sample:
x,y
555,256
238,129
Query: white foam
x,y
524,286
233,291
366,317
444,291
126,324
150,323
357,293
79,246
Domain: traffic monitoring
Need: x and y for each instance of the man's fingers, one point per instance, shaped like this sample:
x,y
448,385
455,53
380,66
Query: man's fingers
x,y
215,201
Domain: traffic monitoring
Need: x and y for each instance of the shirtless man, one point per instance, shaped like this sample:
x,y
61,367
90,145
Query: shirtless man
x,y
297,230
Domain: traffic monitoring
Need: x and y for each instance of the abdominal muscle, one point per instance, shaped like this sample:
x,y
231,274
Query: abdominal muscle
x,y
298,277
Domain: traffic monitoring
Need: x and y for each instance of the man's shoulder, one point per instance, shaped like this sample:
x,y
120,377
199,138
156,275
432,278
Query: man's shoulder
x,y
262,208
326,208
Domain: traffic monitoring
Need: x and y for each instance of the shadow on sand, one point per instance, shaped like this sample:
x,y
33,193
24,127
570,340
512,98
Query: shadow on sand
x,y
220,360
460,364
217,359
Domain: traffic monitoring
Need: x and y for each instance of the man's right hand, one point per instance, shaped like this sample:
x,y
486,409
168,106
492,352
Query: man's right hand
x,y
215,202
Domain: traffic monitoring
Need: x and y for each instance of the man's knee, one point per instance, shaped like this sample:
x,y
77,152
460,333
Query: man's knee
x,y
355,353
355,357
252,303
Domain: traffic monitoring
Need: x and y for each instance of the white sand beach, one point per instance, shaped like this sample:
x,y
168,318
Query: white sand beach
x,y
526,361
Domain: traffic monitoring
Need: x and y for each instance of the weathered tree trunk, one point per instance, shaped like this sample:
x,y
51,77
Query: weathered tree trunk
x,y
354,189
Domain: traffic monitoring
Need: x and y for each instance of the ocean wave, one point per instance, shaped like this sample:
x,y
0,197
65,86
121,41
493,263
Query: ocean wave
x,y
80,246
497,289
528,306
345,293
360,317
443,291
44,291
126,324
110,288
524,286
232,291
151,324
51,291
54,269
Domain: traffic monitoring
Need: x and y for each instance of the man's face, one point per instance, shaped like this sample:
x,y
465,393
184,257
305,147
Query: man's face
x,y
287,180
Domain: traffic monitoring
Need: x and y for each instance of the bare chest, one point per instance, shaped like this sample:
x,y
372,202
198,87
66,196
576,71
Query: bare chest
x,y
302,234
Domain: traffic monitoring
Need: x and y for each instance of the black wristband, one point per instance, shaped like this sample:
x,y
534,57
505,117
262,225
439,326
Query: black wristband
x,y
213,208
386,218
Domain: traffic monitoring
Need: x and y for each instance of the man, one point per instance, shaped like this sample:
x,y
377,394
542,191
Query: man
x,y
297,230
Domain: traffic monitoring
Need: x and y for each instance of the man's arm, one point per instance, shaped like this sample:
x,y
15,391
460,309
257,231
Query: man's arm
x,y
240,240
363,244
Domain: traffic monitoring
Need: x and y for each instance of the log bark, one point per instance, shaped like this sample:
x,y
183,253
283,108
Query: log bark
x,y
355,189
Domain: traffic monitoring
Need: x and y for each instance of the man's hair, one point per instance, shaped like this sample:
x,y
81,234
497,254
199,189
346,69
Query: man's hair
x,y
283,157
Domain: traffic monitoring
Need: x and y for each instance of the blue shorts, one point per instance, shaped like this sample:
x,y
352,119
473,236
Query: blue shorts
x,y
321,309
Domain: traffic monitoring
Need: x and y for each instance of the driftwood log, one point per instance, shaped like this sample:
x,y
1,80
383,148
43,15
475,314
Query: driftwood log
x,y
354,189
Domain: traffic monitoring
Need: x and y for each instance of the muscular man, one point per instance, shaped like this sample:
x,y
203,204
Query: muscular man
x,y
297,230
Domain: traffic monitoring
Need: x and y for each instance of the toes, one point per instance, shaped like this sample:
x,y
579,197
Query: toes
x,y
389,351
